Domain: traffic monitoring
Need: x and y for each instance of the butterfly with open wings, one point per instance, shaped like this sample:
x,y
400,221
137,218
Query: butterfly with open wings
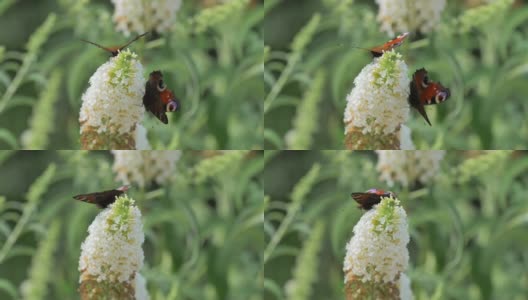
x,y
158,99
426,92
423,91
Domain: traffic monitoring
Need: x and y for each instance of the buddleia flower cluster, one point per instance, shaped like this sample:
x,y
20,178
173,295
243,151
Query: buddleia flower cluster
x,y
483,15
409,15
140,16
408,167
112,106
217,14
144,167
377,254
377,105
111,255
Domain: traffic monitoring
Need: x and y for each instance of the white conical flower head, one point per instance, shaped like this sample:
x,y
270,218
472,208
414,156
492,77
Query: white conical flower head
x,y
409,15
378,250
143,167
140,16
113,103
112,251
378,102
406,167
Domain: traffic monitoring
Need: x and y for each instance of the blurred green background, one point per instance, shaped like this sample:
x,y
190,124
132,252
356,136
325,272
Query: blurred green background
x,y
484,65
203,228
217,72
468,225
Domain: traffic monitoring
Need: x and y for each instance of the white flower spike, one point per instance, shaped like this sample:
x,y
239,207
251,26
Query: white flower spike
x,y
112,106
407,167
377,254
377,106
409,15
138,16
111,255
144,167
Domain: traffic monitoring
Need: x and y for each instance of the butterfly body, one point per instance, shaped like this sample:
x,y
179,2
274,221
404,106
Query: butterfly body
x,y
371,197
102,199
158,99
426,92
115,50
397,41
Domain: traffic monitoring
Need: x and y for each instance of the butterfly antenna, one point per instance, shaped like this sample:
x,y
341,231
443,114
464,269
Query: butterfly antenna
x,y
369,50
97,45
133,40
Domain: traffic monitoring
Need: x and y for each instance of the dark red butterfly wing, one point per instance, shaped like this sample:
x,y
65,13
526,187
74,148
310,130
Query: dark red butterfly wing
x,y
158,99
378,51
152,99
417,87
370,198
366,200
435,93
102,199
426,92
170,102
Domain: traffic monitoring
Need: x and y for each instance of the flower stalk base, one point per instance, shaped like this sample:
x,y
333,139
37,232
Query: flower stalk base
x,y
91,289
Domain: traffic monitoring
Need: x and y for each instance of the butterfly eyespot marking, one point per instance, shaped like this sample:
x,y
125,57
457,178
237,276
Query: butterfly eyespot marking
x,y
161,86
425,81
172,106
440,97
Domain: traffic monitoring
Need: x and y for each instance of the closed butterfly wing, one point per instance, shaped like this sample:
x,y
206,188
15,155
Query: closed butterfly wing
x,y
397,41
366,200
102,199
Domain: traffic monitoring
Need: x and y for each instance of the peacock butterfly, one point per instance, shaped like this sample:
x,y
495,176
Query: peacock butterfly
x,y
102,199
426,92
158,99
378,51
371,197
115,50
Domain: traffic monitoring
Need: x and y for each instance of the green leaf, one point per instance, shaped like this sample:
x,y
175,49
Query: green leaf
x,y
9,288
9,138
